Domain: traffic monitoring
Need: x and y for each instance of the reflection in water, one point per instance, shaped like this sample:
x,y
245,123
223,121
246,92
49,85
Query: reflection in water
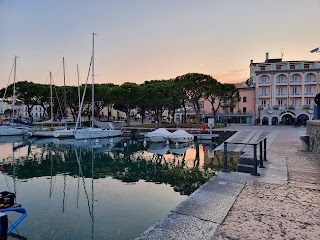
x,y
80,165
131,162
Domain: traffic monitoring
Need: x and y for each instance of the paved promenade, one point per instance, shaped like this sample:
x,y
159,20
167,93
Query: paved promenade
x,y
282,203
288,210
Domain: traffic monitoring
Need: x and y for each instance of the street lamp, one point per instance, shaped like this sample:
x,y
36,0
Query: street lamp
x,y
317,97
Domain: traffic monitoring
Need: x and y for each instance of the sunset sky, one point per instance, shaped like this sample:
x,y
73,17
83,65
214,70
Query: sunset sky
x,y
142,40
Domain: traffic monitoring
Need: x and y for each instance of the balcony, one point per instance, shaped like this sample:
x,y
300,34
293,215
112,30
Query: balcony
x,y
281,94
236,113
285,107
310,81
282,82
309,93
295,94
306,107
292,107
228,104
264,83
264,95
292,82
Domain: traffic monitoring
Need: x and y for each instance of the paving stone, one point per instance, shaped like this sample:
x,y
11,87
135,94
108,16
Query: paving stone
x,y
212,202
256,226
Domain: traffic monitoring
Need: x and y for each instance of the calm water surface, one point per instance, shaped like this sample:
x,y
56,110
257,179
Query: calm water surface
x,y
105,189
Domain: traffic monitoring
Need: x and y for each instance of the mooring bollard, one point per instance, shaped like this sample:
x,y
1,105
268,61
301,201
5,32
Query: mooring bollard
x,y
225,157
255,161
261,156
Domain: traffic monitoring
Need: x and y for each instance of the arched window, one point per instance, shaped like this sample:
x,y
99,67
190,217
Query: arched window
x,y
280,78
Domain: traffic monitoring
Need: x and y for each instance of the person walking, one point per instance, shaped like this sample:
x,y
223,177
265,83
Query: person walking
x,y
204,126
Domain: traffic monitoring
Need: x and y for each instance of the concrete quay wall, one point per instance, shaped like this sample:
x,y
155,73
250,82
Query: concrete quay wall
x,y
313,131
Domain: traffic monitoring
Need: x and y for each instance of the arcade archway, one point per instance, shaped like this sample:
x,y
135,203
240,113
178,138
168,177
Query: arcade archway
x,y
302,119
274,121
287,119
265,120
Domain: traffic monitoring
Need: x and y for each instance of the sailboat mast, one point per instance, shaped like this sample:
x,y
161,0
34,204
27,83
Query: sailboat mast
x,y
14,87
51,101
92,107
79,94
64,87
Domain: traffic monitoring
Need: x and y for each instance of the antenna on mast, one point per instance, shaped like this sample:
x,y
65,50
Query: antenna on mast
x,y
282,53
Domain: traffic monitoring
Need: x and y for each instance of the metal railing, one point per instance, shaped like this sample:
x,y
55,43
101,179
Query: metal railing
x,y
263,154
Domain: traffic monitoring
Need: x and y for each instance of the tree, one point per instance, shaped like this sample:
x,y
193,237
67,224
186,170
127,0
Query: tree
x,y
175,99
194,86
158,96
126,98
219,93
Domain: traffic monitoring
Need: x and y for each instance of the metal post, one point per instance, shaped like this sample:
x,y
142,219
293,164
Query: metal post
x,y
261,157
255,161
156,125
225,157
265,149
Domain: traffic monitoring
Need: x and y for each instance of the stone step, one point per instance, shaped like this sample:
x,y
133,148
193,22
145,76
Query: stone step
x,y
246,161
244,168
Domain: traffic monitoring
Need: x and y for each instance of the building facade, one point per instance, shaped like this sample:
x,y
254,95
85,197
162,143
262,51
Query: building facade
x,y
241,112
284,90
20,110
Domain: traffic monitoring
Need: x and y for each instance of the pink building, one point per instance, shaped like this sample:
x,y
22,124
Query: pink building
x,y
241,112
284,90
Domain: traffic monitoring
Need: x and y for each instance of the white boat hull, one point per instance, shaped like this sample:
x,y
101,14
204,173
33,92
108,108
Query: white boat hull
x,y
158,138
159,135
182,139
92,133
181,136
13,131
63,133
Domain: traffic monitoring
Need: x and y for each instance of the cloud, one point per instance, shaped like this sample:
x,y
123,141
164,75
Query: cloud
x,y
236,75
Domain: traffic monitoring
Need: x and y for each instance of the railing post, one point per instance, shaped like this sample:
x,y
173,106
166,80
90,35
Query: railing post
x,y
225,157
265,149
261,157
255,161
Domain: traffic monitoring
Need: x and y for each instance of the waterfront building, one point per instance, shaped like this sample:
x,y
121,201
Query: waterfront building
x,y
284,90
21,110
241,112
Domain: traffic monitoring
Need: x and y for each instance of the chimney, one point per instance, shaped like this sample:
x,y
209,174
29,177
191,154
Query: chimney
x,y
251,61
267,56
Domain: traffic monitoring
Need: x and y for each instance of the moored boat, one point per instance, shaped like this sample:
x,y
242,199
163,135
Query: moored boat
x,y
159,135
181,136
89,133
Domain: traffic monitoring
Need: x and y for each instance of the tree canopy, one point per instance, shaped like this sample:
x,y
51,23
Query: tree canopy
x,y
153,96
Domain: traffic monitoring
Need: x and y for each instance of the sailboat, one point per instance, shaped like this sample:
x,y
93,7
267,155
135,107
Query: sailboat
x,y
57,131
94,132
12,129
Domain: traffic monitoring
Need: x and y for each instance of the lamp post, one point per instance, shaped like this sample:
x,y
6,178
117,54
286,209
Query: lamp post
x,y
317,97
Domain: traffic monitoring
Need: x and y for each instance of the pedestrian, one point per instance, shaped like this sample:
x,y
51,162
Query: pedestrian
x,y
204,126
